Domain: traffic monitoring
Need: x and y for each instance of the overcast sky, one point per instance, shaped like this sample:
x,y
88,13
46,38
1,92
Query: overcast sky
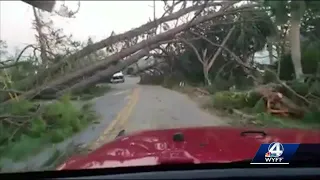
x,y
95,18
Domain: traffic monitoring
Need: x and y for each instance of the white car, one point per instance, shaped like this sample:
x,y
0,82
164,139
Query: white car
x,y
117,78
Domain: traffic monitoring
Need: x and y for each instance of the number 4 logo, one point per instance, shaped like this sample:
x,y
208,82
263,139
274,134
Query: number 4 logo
x,y
276,149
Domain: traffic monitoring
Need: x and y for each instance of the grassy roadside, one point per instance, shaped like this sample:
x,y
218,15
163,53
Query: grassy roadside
x,y
239,115
28,127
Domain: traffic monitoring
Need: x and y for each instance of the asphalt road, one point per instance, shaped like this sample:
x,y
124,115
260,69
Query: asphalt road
x,y
130,107
148,107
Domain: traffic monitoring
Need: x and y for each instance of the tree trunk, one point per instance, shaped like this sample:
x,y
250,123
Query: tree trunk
x,y
270,50
126,52
206,75
114,39
220,48
279,67
109,71
206,66
295,47
137,66
41,38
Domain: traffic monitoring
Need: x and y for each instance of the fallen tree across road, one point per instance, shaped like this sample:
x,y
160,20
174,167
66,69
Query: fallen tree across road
x,y
170,34
114,39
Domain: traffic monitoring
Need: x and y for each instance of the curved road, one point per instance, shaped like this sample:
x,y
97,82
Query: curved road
x,y
130,107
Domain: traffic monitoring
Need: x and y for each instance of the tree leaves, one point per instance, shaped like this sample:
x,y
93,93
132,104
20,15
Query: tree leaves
x,y
279,9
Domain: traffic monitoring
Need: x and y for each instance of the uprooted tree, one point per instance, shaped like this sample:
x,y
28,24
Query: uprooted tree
x,y
37,123
130,52
234,67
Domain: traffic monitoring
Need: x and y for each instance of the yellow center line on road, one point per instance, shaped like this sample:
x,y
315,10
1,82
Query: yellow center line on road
x,y
118,122
135,98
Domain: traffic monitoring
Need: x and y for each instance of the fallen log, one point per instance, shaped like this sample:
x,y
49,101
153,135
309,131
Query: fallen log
x,y
205,92
107,72
282,104
126,52
117,38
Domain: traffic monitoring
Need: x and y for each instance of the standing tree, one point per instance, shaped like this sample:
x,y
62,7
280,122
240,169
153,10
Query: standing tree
x,y
291,12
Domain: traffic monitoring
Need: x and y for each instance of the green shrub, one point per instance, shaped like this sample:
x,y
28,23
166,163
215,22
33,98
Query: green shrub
x,y
237,100
252,98
315,88
299,87
211,89
269,77
221,84
312,117
21,107
25,146
259,107
53,123
227,99
308,122
38,127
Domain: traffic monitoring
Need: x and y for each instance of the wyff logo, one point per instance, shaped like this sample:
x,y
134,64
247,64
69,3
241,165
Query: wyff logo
x,y
275,153
275,150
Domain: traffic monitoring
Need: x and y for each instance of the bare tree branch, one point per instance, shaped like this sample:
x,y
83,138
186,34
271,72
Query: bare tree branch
x,y
111,70
238,60
120,37
193,48
219,49
18,58
127,52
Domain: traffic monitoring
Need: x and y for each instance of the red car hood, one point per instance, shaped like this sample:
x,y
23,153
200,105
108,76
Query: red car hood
x,y
200,145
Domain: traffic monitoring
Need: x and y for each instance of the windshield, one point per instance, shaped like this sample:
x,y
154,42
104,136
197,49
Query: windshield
x,y
226,75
